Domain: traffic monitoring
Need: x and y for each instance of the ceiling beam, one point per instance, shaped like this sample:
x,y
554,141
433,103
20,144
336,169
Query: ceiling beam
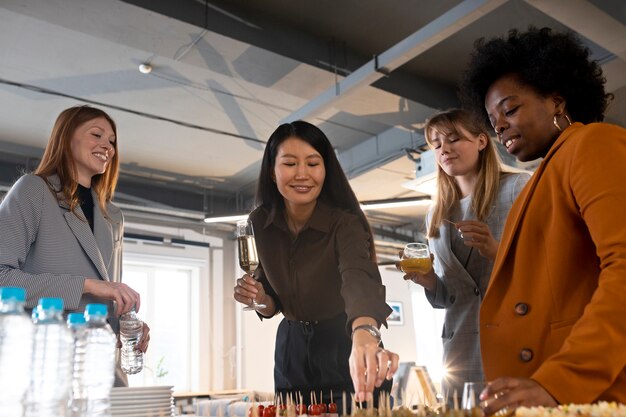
x,y
298,45
384,147
383,64
588,20
596,25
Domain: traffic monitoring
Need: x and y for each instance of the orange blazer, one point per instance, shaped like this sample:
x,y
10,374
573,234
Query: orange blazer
x,y
555,308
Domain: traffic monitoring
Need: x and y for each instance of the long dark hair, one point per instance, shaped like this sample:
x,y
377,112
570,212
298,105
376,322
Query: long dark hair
x,y
336,190
58,159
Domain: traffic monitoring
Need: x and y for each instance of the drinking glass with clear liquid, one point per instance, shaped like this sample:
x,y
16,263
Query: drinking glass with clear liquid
x,y
248,257
416,258
471,397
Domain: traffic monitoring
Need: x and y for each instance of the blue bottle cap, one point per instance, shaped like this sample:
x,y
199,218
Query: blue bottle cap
x,y
76,318
50,304
95,310
12,293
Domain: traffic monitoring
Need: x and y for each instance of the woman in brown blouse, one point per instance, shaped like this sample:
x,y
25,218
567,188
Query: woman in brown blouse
x,y
317,268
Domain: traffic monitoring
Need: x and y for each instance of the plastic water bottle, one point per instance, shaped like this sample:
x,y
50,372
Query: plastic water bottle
x,y
50,380
16,341
131,329
76,322
77,325
94,365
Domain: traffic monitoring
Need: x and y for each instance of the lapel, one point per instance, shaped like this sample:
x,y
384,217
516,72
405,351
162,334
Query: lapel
x,y
103,233
448,262
83,233
520,206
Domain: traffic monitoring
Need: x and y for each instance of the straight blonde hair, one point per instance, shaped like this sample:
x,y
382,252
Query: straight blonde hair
x,y
58,159
489,169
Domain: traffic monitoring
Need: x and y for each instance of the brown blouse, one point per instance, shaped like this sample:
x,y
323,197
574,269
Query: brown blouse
x,y
322,272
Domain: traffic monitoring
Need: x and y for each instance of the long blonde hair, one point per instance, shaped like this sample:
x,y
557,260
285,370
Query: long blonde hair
x,y
489,169
58,159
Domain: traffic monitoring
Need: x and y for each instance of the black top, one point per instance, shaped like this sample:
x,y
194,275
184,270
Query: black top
x,y
86,203
323,272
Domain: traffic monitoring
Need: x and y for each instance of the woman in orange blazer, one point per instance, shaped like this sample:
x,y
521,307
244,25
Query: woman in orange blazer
x,y
553,320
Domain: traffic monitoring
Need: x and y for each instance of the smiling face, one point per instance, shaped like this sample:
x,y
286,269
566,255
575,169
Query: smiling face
x,y
523,119
457,152
93,146
299,173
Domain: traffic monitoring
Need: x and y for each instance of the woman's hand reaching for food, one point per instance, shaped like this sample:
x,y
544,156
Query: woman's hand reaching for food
x,y
370,364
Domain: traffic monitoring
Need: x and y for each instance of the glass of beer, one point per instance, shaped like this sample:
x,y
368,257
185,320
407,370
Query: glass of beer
x,y
416,258
248,257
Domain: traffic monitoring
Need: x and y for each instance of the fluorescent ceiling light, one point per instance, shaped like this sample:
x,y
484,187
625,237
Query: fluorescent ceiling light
x,y
395,203
365,205
225,219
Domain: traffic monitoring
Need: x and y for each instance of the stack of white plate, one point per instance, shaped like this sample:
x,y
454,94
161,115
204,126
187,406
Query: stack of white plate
x,y
142,402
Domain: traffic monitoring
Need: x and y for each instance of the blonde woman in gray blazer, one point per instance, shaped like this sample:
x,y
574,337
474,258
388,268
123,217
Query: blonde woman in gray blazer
x,y
49,245
464,227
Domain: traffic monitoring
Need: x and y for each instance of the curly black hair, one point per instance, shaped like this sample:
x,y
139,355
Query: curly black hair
x,y
547,61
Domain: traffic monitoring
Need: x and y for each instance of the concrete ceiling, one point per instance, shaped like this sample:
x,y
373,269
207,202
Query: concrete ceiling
x,y
225,73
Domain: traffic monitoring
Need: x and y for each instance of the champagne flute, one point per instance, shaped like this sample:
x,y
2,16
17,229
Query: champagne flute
x,y
248,257
416,258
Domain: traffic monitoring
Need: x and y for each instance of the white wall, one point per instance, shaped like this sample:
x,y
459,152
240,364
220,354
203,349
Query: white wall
x,y
419,339
214,334
257,350
399,338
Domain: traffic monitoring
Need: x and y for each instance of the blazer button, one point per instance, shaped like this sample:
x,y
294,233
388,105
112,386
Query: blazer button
x,y
476,291
452,299
521,309
526,355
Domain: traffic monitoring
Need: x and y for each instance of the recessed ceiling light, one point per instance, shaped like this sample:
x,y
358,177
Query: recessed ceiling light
x,y
145,68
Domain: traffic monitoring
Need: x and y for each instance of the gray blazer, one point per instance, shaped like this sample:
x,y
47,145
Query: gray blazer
x,y
50,252
460,293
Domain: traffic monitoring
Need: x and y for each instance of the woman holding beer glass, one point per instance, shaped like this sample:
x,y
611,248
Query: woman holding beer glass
x,y
463,228
317,267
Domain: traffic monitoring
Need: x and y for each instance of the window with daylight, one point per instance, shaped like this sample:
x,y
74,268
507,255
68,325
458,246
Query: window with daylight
x,y
170,306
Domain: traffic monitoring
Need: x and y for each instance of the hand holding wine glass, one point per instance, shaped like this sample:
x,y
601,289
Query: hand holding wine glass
x,y
248,257
416,262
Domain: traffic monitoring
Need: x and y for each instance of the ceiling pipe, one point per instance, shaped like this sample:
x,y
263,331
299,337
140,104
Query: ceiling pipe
x,y
383,64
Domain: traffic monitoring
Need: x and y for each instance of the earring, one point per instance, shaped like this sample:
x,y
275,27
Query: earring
x,y
568,119
556,123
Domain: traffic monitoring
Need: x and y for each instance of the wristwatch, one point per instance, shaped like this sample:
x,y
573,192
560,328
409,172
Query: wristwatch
x,y
373,330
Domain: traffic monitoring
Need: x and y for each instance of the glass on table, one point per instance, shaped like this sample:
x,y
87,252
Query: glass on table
x,y
416,258
471,398
248,256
